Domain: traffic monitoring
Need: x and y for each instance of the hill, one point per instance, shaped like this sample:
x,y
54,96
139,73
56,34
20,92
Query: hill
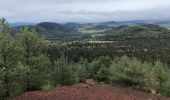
x,y
141,30
50,26
56,30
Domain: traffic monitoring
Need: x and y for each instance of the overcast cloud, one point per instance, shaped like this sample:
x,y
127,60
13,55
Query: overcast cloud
x,y
84,10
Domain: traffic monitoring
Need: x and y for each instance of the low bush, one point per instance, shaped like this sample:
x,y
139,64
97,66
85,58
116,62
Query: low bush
x,y
141,75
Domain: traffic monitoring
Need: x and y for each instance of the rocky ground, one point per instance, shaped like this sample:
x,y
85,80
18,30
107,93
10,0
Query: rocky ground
x,y
89,91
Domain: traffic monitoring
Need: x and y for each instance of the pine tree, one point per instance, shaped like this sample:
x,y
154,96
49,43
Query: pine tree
x,y
33,57
8,59
62,73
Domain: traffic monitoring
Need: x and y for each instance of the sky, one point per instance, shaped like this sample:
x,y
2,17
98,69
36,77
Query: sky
x,y
84,10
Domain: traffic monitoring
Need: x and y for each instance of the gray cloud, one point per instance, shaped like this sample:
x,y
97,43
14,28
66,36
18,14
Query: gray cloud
x,y
83,10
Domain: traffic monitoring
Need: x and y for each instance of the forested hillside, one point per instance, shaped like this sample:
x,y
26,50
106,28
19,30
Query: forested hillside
x,y
55,31
49,55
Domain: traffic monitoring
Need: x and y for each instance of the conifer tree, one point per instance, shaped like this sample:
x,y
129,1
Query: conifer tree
x,y
9,59
33,57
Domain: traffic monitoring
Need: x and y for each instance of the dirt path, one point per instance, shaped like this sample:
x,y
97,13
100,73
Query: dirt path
x,y
87,92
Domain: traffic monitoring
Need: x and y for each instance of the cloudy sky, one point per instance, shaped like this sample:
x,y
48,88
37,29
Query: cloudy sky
x,y
84,10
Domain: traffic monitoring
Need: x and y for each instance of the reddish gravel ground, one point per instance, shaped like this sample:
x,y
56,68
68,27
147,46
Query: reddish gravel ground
x,y
87,92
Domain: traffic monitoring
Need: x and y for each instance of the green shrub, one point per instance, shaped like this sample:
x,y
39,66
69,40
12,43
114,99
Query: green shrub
x,y
99,69
2,89
156,76
129,72
165,88
79,73
39,72
145,76
16,81
62,72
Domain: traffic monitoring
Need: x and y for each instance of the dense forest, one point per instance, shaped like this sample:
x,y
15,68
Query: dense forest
x,y
42,57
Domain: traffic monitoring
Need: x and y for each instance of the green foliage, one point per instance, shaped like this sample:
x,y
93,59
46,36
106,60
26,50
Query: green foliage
x,y
2,92
165,88
99,68
143,30
145,76
40,70
18,83
32,44
9,62
155,76
4,26
67,73
62,72
80,71
24,66
37,63
128,71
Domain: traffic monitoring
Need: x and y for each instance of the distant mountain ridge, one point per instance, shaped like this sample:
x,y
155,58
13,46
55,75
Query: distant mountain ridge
x,y
135,22
107,23
130,28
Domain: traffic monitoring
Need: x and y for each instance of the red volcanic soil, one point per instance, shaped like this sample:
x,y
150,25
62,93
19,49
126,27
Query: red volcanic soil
x,y
89,92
